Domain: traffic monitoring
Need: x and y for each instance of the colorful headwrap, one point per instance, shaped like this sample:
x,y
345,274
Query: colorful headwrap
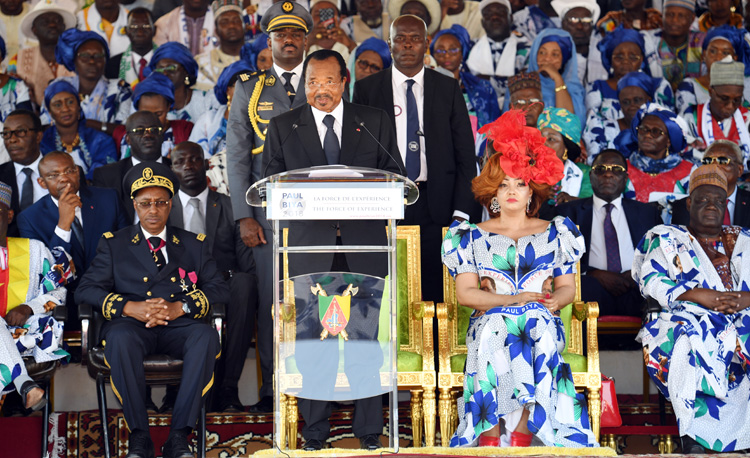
x,y
57,87
249,52
156,83
641,80
738,39
562,121
614,39
379,46
222,84
177,52
5,193
70,41
461,34
708,175
524,154
565,43
676,126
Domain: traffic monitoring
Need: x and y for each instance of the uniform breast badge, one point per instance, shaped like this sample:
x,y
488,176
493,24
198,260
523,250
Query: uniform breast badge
x,y
334,311
271,80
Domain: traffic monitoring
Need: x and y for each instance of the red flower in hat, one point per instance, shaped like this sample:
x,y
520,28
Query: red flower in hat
x,y
524,154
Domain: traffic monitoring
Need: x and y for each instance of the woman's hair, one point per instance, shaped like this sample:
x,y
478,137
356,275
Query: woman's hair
x,y
486,184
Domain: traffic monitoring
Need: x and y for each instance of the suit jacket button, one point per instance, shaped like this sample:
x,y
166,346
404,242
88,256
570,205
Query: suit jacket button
x,y
148,293
171,295
145,279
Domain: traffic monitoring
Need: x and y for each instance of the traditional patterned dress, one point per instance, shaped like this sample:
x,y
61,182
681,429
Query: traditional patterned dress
x,y
35,277
110,101
200,102
211,131
15,94
94,148
514,353
603,100
698,358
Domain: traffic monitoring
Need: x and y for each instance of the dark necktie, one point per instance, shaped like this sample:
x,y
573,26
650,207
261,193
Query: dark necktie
x,y
288,85
413,165
156,244
27,193
141,66
611,243
331,142
77,229
727,219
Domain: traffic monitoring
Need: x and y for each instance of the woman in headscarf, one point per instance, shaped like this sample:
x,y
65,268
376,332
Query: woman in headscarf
x,y
176,62
210,131
654,145
156,94
257,53
14,94
562,129
633,90
719,42
622,52
697,349
553,56
371,56
517,390
104,102
90,148
451,47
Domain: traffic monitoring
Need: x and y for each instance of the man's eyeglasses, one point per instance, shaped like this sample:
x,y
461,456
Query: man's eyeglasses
x,y
451,51
525,103
325,84
145,205
580,20
654,132
721,160
140,131
364,65
137,27
55,176
20,133
91,55
601,169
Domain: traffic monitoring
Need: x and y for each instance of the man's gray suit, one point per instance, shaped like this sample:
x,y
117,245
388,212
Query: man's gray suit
x,y
245,140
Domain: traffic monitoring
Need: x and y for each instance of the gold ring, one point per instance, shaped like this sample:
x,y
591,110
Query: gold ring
x,y
318,36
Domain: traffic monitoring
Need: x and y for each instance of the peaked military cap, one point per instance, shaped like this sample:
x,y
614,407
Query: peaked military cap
x,y
286,13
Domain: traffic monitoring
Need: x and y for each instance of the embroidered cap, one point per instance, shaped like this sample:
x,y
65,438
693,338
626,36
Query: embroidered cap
x,y
708,175
5,193
286,14
220,7
727,72
147,174
689,4
524,80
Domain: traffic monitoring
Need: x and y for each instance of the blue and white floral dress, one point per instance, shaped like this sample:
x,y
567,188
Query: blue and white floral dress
x,y
697,357
514,353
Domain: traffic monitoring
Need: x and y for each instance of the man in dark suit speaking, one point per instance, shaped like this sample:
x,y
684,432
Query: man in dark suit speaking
x,y
612,227
435,138
327,131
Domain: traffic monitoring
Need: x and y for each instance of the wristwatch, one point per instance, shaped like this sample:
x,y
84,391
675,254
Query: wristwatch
x,y
185,307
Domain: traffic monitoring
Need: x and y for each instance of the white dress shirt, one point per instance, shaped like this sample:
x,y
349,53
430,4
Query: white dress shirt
x,y
338,115
731,200
399,109
63,234
295,77
187,209
39,191
598,254
162,235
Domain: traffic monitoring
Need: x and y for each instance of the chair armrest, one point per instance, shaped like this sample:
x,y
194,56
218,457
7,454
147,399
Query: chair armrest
x,y
218,311
60,313
85,311
428,346
591,310
443,317
86,314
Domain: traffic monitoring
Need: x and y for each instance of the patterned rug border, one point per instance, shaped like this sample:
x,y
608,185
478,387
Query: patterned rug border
x,y
447,451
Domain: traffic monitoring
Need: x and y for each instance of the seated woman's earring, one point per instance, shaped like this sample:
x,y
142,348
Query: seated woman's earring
x,y
528,206
668,145
187,81
495,205
565,155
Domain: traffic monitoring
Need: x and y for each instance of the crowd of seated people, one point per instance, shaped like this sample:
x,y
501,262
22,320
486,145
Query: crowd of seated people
x,y
641,116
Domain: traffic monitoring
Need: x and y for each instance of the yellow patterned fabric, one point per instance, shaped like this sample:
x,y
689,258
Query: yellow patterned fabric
x,y
18,277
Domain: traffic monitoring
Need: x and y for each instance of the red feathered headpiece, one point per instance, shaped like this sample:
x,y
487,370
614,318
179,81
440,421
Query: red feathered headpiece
x,y
524,154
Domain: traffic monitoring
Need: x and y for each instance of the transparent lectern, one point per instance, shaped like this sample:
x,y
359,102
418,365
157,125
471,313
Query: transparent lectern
x,y
334,332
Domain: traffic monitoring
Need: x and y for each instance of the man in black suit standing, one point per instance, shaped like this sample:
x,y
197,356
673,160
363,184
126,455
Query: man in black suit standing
x,y
327,131
203,211
612,227
22,133
145,136
728,156
140,31
435,139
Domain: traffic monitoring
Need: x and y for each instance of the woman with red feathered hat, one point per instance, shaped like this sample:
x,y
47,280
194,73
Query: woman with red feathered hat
x,y
517,387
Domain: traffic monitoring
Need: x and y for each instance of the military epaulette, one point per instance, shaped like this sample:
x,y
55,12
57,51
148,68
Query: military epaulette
x,y
244,77
201,237
108,235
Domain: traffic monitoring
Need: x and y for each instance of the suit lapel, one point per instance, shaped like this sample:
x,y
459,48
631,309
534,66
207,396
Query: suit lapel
x,y
634,222
350,135
308,137
88,213
127,164
212,214
175,215
429,104
386,92
140,250
586,218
